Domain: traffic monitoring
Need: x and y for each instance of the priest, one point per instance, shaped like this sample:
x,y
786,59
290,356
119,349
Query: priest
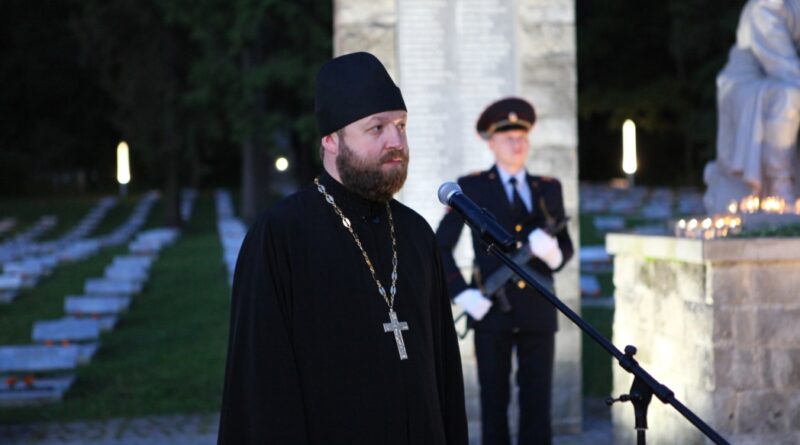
x,y
341,330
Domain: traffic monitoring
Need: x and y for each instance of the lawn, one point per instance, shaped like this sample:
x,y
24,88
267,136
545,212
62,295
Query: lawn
x,y
167,353
596,362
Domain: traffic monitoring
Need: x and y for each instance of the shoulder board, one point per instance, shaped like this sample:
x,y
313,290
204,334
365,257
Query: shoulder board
x,y
477,175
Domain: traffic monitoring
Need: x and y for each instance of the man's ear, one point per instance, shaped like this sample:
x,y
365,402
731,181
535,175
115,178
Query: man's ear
x,y
330,143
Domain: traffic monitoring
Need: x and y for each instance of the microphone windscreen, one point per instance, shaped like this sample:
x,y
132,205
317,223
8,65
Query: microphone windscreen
x,y
447,190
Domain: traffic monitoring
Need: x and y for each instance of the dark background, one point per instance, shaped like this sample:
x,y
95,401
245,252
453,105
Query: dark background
x,y
207,91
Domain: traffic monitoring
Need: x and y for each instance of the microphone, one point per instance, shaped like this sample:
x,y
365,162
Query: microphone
x,y
476,217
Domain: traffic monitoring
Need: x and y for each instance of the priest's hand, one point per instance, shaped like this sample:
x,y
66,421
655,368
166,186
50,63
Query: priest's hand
x,y
545,247
473,302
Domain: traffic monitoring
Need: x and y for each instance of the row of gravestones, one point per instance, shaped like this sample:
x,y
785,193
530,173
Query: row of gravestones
x,y
647,202
231,230
609,206
43,372
23,261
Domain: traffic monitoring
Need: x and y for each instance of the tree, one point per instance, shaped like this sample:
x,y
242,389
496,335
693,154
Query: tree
x,y
141,63
256,58
656,65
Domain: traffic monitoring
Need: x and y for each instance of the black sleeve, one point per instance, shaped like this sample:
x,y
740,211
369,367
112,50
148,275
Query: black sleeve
x,y
447,235
449,371
262,398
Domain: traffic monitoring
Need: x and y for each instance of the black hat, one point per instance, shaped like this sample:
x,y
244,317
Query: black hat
x,y
352,87
506,114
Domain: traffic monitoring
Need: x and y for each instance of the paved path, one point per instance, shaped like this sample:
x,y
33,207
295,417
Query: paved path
x,y
196,429
201,429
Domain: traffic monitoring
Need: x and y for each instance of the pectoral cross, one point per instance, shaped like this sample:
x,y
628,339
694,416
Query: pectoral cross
x,y
396,327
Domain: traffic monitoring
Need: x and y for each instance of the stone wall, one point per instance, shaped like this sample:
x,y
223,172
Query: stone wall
x,y
718,322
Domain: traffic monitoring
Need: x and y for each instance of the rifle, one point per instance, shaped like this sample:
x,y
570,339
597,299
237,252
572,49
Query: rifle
x,y
495,285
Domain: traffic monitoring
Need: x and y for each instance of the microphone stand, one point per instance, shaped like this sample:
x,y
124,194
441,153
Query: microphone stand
x,y
644,385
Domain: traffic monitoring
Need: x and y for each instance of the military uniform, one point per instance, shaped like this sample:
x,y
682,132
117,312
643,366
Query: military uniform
x,y
529,326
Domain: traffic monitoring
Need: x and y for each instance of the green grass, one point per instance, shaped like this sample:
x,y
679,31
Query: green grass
x,y
596,361
589,235
166,355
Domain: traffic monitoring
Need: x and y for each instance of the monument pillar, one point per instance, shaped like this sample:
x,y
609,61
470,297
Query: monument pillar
x,y
452,58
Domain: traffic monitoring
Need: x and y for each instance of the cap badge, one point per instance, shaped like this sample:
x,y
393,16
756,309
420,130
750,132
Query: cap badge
x,y
512,117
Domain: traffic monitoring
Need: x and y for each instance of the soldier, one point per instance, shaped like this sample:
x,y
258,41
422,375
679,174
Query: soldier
x,y
532,208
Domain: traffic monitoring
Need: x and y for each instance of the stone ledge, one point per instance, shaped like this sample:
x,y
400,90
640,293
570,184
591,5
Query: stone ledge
x,y
700,251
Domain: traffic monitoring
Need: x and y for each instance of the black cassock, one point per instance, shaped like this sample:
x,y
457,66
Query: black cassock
x,y
308,359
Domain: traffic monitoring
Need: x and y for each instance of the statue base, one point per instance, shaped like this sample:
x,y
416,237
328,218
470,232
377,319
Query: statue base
x,y
722,189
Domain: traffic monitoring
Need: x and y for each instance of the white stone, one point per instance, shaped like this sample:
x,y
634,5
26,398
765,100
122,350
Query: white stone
x,y
38,358
10,283
123,273
594,254
132,261
66,329
88,305
42,390
590,286
608,223
105,287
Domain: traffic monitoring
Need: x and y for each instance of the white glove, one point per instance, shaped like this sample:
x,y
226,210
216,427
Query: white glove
x,y
473,302
545,247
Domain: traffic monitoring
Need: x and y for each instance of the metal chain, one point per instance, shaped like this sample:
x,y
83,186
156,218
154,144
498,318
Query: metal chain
x,y
346,222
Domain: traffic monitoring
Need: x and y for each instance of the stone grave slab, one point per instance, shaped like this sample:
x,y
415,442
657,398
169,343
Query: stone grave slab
x,y
10,286
595,259
106,287
145,247
79,250
594,206
65,329
38,358
625,206
594,254
28,271
590,286
132,261
36,392
608,223
89,305
106,322
657,210
121,273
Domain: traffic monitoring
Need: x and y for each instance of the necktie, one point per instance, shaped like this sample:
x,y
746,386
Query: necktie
x,y
518,209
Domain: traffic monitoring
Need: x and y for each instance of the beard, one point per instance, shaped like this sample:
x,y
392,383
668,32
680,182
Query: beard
x,y
367,178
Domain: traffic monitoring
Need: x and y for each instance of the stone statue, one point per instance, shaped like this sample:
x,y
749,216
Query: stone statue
x,y
758,102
